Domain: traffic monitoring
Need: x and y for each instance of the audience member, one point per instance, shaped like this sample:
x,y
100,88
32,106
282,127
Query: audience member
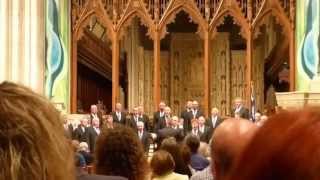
x,y
85,152
81,173
95,114
286,147
33,145
198,162
119,152
170,145
162,165
228,141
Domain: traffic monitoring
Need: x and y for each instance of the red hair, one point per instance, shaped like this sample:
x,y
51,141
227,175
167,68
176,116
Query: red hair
x,y
287,147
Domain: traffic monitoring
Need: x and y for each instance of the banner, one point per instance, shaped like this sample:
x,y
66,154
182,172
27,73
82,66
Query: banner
x,y
58,37
308,43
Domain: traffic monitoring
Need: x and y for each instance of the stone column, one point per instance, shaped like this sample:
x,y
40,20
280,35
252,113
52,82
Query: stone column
x,y
115,69
22,43
206,65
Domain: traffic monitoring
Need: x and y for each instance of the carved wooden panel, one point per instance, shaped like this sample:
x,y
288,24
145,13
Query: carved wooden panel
x,y
186,75
220,74
238,71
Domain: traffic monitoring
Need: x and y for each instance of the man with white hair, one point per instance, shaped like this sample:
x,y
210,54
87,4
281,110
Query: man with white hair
x,y
118,115
94,113
214,120
144,118
239,109
93,133
158,115
143,135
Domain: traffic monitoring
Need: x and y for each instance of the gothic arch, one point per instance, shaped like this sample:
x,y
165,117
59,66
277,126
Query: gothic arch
x,y
238,19
144,18
170,15
280,18
85,18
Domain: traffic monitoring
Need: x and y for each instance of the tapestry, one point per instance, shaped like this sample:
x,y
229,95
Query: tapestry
x,y
308,43
58,37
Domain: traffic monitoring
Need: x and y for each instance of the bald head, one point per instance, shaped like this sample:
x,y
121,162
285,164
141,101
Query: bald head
x,y
228,141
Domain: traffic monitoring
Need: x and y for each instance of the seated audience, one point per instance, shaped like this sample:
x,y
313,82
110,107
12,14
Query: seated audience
x,y
228,142
290,144
170,145
119,152
198,162
204,150
33,143
85,152
81,173
162,165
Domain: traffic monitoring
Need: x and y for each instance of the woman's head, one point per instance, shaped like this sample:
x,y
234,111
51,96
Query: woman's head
x,y
119,152
162,163
286,147
32,141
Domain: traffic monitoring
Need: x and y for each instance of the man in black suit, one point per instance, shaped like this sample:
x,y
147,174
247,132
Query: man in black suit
x,y
239,109
186,115
145,118
214,120
165,120
204,130
172,130
119,116
93,133
135,118
196,112
144,136
81,132
158,115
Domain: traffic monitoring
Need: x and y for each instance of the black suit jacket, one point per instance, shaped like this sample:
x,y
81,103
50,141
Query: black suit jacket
x,y
123,119
80,135
156,119
92,136
161,124
146,120
206,135
133,124
186,116
244,113
99,115
145,140
211,126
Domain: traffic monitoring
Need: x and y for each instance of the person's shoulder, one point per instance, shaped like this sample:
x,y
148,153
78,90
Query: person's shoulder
x,y
180,176
100,177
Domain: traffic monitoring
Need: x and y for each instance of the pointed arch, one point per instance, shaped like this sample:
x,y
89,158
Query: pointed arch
x,y
238,17
170,15
142,15
272,11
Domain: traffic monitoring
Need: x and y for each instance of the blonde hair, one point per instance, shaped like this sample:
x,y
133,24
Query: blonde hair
x,y
32,141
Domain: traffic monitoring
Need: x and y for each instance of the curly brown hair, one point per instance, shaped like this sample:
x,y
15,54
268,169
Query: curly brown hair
x,y
32,141
119,152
